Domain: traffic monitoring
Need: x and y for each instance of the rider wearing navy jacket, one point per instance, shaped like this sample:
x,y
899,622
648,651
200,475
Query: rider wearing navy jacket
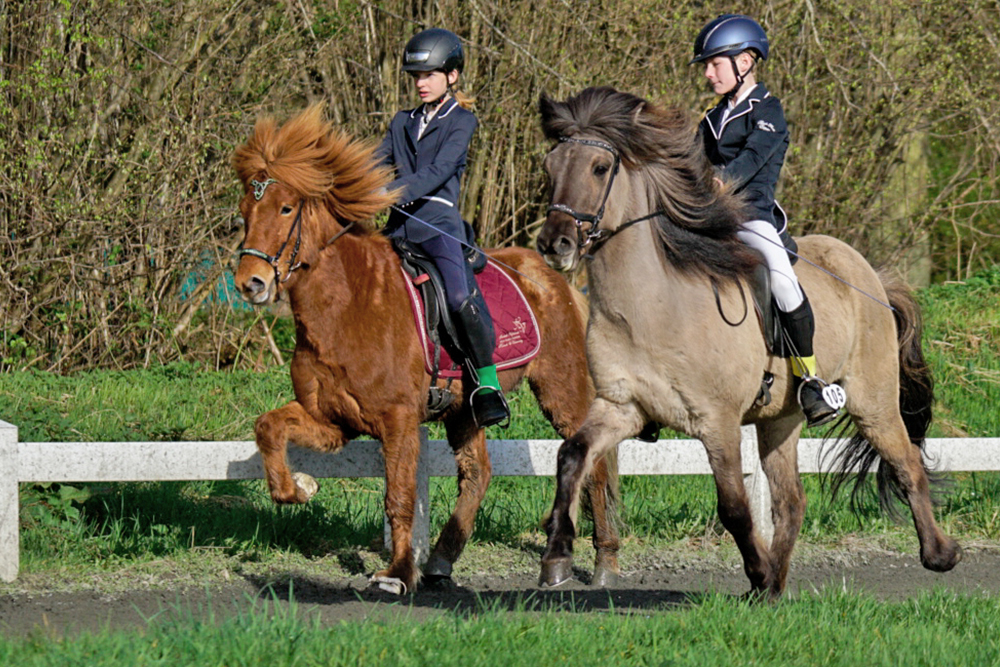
x,y
427,147
746,137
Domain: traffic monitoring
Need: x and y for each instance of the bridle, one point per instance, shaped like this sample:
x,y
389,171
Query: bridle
x,y
259,188
594,237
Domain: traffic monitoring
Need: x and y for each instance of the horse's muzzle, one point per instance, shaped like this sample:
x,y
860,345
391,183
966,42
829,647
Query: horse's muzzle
x,y
560,251
257,291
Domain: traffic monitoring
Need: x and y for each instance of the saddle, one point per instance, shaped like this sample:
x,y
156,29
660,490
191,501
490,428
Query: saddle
x,y
517,334
769,317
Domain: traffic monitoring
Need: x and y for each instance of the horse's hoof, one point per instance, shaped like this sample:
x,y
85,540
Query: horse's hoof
x,y
556,573
437,567
306,483
947,558
389,584
604,578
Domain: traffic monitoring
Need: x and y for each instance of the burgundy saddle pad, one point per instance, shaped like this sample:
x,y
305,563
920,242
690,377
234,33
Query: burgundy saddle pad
x,y
517,335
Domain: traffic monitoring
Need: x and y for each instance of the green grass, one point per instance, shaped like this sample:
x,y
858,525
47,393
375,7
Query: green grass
x,y
831,628
962,345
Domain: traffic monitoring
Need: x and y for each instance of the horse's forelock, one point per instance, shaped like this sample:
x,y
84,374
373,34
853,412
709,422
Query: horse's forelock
x,y
318,162
603,112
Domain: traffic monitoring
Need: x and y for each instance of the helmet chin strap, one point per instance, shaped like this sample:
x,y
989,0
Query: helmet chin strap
x,y
439,101
739,77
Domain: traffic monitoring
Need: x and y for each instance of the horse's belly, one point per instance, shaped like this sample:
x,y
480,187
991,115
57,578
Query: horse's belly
x,y
675,379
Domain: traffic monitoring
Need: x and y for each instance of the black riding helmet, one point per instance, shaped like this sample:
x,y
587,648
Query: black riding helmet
x,y
433,49
730,35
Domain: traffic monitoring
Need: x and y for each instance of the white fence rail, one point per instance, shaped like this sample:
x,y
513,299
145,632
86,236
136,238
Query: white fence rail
x,y
181,461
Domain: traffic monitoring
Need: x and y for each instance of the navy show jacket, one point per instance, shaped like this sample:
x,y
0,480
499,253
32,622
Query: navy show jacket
x,y
748,149
429,170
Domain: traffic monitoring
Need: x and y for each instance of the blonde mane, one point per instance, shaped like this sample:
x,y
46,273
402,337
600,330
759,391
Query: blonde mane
x,y
319,162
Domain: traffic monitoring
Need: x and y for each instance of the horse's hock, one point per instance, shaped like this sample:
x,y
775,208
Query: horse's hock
x,y
28,462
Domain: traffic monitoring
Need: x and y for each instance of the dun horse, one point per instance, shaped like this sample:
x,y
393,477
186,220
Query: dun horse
x,y
632,192
358,365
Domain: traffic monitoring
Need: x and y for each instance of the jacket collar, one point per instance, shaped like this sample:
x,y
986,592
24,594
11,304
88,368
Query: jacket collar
x,y
714,117
413,123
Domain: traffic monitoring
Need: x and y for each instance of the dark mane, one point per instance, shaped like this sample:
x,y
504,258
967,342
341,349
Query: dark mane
x,y
662,146
320,163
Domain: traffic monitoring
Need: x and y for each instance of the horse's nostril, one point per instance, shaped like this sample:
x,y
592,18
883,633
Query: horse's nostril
x,y
563,245
254,286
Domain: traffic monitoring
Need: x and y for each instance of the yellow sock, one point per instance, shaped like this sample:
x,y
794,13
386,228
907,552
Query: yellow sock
x,y
804,366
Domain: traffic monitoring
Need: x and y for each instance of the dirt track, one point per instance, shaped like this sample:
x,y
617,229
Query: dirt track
x,y
886,575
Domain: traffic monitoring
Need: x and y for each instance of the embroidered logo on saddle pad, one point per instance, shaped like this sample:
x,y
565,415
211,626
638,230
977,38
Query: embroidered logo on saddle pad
x,y
517,335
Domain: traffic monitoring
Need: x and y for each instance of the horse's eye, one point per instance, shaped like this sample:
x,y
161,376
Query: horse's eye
x,y
600,169
286,210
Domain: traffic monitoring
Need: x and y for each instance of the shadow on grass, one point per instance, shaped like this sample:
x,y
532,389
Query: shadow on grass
x,y
161,518
466,602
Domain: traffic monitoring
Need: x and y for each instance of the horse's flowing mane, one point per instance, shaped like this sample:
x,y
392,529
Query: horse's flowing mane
x,y
319,162
662,146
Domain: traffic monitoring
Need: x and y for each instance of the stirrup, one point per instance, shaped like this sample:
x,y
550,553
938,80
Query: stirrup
x,y
489,407
821,401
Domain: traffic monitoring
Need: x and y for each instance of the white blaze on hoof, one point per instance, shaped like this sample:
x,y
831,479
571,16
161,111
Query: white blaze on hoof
x,y
389,585
307,483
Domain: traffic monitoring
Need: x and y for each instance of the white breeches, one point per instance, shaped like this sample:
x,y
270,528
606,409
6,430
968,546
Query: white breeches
x,y
763,237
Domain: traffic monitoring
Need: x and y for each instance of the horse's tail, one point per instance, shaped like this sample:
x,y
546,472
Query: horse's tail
x,y
916,399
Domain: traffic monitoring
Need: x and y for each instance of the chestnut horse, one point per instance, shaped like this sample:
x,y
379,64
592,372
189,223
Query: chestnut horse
x,y
633,191
358,366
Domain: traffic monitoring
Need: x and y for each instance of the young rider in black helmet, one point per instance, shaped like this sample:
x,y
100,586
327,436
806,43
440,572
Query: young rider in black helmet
x,y
427,146
746,136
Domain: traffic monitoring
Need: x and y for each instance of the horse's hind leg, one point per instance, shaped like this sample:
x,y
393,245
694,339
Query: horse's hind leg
x,y
723,449
606,425
778,442
291,423
887,434
474,473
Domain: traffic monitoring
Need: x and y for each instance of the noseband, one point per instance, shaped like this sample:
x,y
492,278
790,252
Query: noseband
x,y
258,193
593,235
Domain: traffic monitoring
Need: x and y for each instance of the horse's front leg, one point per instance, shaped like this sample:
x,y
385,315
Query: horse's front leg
x,y
778,442
292,423
606,425
401,450
603,490
723,448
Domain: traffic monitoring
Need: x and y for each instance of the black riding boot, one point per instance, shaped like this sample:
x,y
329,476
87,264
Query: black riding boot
x,y
820,401
475,328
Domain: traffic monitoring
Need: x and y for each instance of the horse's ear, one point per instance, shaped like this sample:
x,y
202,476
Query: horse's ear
x,y
637,114
547,109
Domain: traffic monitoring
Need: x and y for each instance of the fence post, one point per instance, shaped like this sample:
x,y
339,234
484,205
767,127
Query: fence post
x,y
757,485
422,511
10,506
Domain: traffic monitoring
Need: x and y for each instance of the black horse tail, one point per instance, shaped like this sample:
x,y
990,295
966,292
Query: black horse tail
x,y
916,400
